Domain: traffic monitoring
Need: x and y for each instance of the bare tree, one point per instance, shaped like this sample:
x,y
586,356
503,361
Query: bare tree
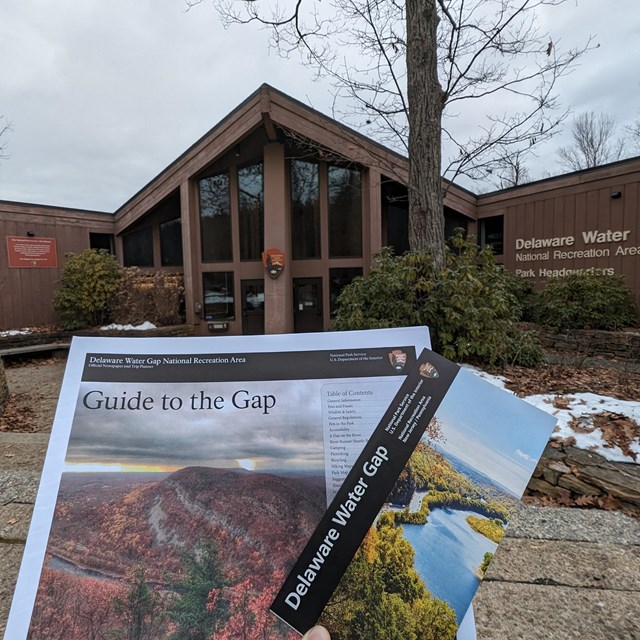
x,y
593,142
510,169
407,68
5,127
634,130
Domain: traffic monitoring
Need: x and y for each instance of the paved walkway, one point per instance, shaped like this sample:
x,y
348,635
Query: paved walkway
x,y
559,574
563,574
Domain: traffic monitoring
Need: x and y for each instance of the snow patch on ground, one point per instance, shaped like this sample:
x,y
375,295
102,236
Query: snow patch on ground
x,y
15,332
145,326
580,408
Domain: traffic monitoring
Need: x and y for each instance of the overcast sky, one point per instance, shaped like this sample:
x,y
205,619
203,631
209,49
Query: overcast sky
x,y
103,95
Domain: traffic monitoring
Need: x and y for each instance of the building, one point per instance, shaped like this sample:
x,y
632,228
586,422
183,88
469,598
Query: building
x,y
319,199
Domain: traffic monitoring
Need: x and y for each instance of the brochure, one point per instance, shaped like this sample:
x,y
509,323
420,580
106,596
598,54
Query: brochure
x,y
173,456
185,476
438,480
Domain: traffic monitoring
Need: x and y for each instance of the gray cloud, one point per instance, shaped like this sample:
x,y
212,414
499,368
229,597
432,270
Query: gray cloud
x,y
103,96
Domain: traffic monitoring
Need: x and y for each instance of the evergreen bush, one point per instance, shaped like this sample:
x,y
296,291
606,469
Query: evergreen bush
x,y
469,306
586,301
88,284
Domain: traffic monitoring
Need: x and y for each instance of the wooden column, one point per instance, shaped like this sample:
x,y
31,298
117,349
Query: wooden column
x,y
190,251
372,223
278,293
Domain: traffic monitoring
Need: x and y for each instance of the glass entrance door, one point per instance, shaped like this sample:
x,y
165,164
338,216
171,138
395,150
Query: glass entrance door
x,y
252,292
307,300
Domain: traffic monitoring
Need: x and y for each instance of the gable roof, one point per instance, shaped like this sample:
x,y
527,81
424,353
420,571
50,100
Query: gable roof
x,y
269,108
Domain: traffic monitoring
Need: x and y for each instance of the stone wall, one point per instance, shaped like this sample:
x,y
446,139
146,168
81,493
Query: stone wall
x,y
4,388
48,337
566,472
616,345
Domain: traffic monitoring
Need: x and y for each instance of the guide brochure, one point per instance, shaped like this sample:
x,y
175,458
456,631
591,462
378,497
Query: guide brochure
x,y
186,476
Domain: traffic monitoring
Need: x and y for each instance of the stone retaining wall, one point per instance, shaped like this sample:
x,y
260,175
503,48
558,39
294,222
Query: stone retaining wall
x,y
4,388
564,471
47,337
617,345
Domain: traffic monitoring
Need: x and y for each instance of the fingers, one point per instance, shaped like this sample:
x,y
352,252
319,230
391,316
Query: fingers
x,y
317,633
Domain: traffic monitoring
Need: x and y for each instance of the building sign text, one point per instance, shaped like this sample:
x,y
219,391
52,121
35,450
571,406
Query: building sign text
x,y
29,253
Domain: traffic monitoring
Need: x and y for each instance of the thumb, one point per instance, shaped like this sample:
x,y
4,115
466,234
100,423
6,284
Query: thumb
x,y
317,633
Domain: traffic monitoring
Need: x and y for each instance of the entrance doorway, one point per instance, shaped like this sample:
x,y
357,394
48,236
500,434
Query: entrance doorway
x,y
307,300
252,292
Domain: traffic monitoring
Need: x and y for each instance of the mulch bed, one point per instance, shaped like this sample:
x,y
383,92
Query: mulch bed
x,y
564,379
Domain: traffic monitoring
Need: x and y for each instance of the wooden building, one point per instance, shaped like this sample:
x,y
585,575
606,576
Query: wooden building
x,y
587,220
33,242
278,177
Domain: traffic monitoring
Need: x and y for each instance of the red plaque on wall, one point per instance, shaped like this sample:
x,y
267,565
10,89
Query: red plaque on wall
x,y
29,253
273,260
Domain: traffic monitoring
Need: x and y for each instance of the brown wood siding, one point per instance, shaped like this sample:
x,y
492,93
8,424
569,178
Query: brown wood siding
x,y
26,294
576,208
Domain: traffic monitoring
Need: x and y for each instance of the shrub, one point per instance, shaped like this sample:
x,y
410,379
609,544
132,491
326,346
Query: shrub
x,y
524,294
89,281
469,305
586,301
154,297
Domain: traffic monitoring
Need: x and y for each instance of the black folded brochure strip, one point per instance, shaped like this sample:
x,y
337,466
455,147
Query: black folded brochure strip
x,y
335,541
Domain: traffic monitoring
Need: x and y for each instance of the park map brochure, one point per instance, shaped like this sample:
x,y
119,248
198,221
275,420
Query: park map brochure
x,y
185,476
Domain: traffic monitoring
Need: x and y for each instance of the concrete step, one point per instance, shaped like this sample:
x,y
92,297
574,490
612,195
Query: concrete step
x,y
563,574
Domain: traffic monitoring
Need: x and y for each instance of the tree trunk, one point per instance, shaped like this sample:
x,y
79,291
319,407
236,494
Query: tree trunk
x,y
426,215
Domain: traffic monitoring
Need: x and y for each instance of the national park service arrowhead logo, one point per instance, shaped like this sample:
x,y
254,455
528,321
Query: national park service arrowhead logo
x,y
427,370
398,359
273,261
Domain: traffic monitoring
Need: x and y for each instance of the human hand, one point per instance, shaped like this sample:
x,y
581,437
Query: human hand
x,y
317,633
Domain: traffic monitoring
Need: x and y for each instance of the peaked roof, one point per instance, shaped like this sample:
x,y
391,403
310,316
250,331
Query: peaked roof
x,y
269,108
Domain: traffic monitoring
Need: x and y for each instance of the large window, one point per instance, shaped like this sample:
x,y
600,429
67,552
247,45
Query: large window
x,y
251,211
171,243
305,210
492,233
137,248
219,302
102,241
345,213
215,218
338,279
398,227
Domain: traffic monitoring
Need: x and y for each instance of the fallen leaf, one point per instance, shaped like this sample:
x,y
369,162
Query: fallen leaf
x,y
618,431
562,402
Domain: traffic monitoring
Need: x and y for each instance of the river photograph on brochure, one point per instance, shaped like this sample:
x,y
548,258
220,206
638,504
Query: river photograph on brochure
x,y
445,516
416,571
186,484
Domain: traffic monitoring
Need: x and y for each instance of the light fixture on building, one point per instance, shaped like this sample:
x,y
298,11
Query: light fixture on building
x,y
30,234
616,194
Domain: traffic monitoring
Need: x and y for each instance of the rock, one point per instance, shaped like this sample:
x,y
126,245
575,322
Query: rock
x,y
4,388
559,467
578,486
553,451
615,481
544,487
580,458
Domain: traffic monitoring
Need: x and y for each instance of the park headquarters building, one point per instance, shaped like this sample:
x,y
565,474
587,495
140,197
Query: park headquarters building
x,y
278,207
